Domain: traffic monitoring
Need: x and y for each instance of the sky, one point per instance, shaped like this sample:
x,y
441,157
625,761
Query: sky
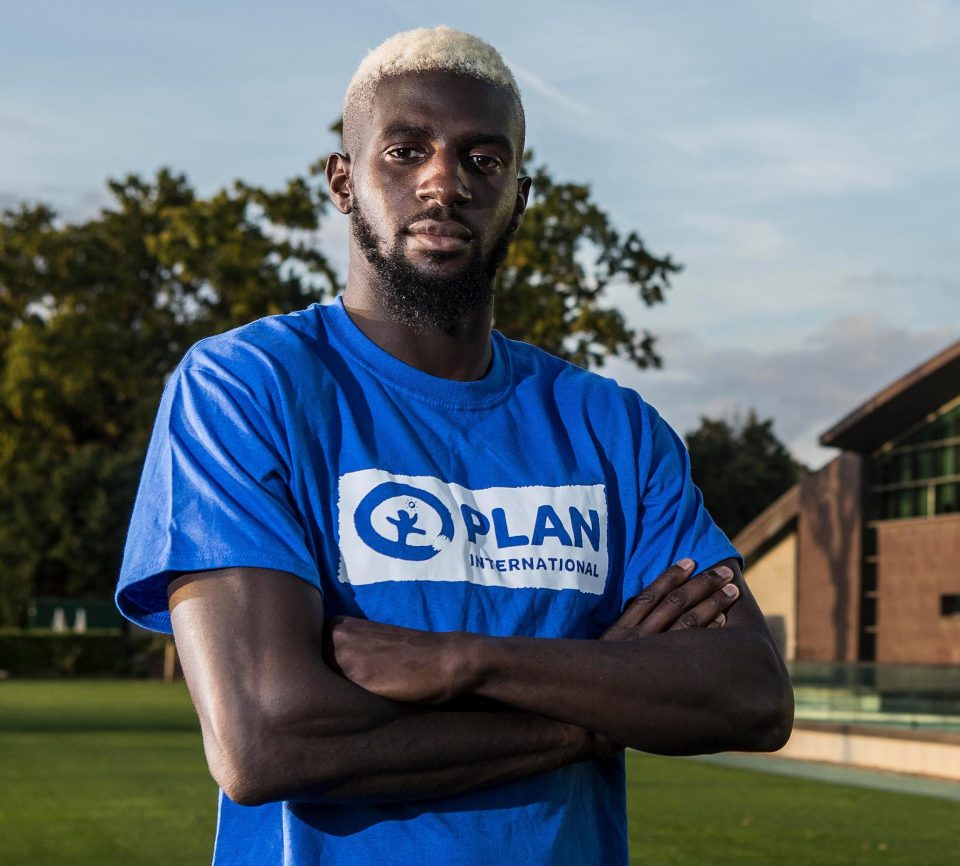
x,y
800,159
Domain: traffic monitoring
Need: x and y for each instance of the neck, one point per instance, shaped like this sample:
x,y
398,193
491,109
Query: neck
x,y
463,354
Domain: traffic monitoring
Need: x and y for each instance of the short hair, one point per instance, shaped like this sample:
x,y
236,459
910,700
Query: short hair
x,y
425,50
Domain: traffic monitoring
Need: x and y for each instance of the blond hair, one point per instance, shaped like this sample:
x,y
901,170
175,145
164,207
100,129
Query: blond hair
x,y
423,50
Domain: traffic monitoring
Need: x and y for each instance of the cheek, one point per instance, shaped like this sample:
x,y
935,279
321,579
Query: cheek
x,y
379,215
373,192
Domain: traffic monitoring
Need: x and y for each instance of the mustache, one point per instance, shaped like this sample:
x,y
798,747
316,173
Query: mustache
x,y
440,214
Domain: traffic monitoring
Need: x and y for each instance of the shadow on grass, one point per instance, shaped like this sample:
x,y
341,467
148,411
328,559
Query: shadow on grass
x,y
87,706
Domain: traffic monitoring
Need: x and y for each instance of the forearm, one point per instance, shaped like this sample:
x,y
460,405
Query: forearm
x,y
680,692
664,678
427,754
280,725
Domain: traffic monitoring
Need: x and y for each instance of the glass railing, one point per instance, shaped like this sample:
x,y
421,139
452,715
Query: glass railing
x,y
920,697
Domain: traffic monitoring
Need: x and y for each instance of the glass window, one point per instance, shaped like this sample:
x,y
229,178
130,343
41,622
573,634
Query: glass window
x,y
948,498
911,502
905,470
919,477
950,460
949,605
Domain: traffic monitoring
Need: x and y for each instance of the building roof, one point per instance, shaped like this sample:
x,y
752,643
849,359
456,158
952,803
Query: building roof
x,y
768,524
900,405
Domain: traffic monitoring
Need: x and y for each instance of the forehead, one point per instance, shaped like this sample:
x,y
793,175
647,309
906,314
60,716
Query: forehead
x,y
446,102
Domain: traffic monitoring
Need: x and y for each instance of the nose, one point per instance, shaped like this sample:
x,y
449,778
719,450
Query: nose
x,y
444,180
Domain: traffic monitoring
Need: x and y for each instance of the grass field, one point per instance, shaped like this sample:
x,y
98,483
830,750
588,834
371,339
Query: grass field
x,y
105,773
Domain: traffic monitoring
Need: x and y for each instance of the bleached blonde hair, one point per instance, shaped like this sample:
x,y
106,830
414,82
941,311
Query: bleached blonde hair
x,y
425,50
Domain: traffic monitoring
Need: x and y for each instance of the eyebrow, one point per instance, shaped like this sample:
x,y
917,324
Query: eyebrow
x,y
403,130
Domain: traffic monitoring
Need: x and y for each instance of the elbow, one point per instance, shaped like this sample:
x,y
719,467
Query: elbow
x,y
781,726
259,761
775,725
236,781
770,700
243,771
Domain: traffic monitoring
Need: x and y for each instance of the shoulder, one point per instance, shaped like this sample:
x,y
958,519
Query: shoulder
x,y
270,343
568,381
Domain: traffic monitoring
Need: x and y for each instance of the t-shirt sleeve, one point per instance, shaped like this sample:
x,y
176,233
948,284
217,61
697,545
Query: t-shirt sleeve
x,y
214,494
672,520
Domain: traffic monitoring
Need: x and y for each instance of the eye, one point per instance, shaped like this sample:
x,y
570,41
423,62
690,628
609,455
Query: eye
x,y
486,162
404,153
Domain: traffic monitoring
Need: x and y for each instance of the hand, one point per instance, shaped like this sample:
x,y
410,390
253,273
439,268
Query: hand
x,y
675,601
402,664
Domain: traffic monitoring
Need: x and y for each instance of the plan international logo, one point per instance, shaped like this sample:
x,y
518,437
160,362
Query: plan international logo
x,y
402,527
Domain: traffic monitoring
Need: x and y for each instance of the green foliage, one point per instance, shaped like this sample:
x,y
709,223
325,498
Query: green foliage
x,y
93,317
740,467
553,285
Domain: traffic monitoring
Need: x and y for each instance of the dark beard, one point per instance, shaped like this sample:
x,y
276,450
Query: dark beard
x,y
423,301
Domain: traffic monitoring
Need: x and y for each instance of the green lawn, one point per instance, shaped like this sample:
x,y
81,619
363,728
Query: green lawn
x,y
113,773
102,773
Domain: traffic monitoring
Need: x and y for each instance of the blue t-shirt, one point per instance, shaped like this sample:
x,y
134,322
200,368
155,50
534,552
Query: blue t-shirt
x,y
535,501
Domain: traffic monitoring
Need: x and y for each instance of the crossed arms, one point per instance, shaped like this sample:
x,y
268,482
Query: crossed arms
x,y
365,711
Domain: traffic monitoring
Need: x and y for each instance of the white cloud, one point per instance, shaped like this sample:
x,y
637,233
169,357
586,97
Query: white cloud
x,y
904,281
805,390
768,158
559,98
743,238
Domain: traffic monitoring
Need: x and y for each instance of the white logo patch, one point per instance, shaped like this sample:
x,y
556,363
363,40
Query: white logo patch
x,y
403,527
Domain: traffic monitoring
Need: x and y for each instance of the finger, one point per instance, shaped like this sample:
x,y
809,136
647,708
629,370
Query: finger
x,y
681,602
708,611
641,605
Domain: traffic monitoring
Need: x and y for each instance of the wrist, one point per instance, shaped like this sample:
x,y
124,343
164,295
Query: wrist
x,y
465,662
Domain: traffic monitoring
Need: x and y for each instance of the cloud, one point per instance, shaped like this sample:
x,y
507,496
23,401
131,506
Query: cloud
x,y
888,280
899,131
805,389
14,125
10,201
901,29
562,100
740,237
768,158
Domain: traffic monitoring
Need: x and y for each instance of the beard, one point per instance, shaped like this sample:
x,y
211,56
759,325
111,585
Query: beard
x,y
419,299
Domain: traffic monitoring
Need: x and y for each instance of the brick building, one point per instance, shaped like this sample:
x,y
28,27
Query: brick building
x,y
860,561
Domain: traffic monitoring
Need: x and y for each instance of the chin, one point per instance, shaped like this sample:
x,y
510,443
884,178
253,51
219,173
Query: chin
x,y
441,260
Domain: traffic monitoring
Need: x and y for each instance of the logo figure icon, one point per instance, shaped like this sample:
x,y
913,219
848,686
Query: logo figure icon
x,y
405,520
406,524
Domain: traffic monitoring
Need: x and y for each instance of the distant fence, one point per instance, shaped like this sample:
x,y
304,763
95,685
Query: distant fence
x,y
919,697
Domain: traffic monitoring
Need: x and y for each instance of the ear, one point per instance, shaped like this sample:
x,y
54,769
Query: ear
x,y
340,181
520,206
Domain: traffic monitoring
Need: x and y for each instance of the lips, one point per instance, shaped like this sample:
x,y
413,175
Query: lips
x,y
440,234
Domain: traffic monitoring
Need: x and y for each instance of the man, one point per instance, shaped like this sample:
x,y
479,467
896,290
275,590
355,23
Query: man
x,y
470,515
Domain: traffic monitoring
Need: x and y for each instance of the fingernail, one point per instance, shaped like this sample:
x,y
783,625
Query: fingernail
x,y
724,572
721,619
685,563
731,591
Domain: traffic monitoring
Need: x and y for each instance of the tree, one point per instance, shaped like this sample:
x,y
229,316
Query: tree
x,y
740,467
553,283
95,315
